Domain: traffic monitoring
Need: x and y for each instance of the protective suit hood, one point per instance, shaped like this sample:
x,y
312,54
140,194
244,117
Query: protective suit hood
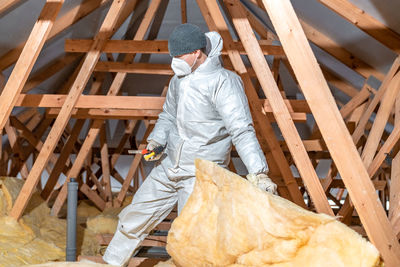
x,y
213,50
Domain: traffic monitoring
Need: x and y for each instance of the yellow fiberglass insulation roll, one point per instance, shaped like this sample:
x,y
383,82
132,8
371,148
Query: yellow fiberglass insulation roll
x,y
229,222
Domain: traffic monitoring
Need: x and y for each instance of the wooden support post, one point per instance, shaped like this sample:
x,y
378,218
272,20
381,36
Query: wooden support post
x,y
65,113
278,106
215,21
28,57
333,130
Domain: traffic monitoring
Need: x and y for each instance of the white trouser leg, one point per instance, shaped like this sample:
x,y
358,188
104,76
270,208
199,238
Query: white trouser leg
x,y
185,189
151,204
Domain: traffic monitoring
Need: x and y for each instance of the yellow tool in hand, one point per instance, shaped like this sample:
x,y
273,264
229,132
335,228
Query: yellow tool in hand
x,y
147,154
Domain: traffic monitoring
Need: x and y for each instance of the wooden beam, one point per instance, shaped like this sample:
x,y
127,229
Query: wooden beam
x,y
150,47
92,101
183,12
7,4
377,98
129,102
337,51
215,21
278,106
334,49
68,19
384,151
333,129
385,108
365,22
356,101
76,90
394,197
28,57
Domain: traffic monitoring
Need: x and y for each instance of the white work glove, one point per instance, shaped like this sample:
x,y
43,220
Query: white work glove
x,y
263,182
150,147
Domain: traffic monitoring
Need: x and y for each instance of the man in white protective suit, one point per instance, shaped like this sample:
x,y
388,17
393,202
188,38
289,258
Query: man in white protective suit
x,y
205,111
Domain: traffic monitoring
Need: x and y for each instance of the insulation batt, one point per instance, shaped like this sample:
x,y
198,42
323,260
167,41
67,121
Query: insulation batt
x,y
38,237
229,222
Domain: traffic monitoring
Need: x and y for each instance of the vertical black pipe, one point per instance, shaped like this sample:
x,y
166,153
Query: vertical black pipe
x,y
71,220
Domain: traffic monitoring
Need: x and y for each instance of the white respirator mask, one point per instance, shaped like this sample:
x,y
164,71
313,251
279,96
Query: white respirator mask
x,y
181,67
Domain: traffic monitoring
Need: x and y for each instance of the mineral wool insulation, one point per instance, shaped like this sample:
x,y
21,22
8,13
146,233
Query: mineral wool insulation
x,y
226,222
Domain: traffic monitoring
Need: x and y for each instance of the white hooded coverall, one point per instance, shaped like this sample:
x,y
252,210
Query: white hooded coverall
x,y
203,114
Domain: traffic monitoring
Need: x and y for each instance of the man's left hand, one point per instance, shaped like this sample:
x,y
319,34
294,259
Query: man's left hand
x,y
263,182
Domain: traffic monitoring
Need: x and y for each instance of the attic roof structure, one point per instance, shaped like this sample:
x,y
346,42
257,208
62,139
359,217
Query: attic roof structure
x,y
83,81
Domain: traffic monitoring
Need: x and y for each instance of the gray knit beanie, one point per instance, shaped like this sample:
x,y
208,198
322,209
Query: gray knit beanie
x,y
186,38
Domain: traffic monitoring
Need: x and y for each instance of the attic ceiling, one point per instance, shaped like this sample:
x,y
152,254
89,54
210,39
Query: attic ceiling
x,y
17,22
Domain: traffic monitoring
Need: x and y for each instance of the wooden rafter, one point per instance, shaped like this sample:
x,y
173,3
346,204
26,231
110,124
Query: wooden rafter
x,y
365,22
215,21
333,129
281,113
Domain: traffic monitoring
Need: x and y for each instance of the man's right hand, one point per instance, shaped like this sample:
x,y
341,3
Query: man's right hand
x,y
150,147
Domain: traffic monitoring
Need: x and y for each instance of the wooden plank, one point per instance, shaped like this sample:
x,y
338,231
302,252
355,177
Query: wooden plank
x,y
337,51
128,102
365,22
333,129
92,101
7,4
139,68
331,47
384,151
377,98
28,57
68,19
215,21
150,47
280,110
385,108
394,196
65,113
